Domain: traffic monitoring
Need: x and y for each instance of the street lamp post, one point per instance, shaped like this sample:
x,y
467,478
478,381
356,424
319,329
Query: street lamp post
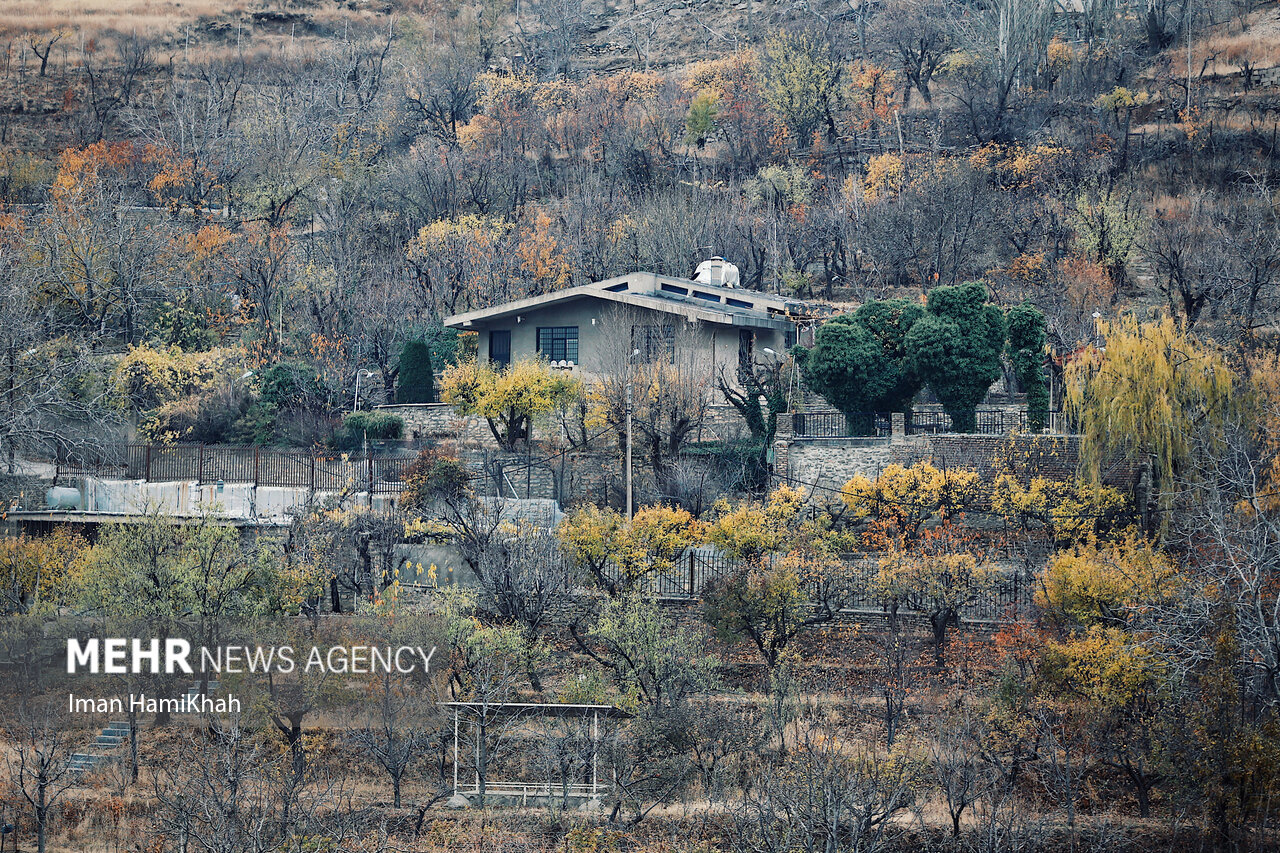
x,y
630,382
355,403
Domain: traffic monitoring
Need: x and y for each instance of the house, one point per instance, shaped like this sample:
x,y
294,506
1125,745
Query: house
x,y
593,328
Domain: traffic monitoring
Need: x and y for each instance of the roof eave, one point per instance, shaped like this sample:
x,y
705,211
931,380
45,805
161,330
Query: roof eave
x,y
643,300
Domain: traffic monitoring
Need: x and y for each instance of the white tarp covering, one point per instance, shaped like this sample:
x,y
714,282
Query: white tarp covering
x,y
717,271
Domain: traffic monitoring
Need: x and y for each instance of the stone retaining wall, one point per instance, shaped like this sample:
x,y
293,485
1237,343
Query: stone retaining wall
x,y
439,422
826,464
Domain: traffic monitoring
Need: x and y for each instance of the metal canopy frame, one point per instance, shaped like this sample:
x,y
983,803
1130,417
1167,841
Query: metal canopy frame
x,y
505,710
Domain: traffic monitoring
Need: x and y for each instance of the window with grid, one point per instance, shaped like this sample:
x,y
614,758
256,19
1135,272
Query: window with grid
x,y
559,343
656,343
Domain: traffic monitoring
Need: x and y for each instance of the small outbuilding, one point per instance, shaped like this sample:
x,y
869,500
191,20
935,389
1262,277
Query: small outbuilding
x,y
482,725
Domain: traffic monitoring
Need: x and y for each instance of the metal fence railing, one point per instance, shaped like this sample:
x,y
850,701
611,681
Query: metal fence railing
x,y
1011,595
259,466
987,422
834,424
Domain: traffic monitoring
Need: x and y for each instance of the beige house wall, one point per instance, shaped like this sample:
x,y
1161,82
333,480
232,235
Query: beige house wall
x,y
604,337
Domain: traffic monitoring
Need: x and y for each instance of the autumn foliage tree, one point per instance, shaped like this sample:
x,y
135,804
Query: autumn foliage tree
x,y
622,555
509,399
788,575
1155,392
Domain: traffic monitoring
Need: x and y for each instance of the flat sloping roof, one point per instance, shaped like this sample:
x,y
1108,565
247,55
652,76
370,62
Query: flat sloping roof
x,y
686,306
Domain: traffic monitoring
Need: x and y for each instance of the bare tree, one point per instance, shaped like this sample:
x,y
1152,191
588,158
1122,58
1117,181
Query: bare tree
x,y
39,764
525,581
226,791
668,385
1009,37
918,35
112,82
824,796
42,45
959,769
402,720
47,412
441,91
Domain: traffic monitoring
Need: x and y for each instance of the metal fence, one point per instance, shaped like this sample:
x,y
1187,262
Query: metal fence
x,y
259,466
1011,595
986,422
834,424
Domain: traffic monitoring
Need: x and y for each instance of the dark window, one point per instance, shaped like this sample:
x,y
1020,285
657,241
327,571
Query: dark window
x,y
738,303
656,343
746,345
671,288
500,347
617,288
559,343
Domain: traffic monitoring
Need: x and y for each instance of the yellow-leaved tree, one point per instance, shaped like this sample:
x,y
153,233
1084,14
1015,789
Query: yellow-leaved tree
x,y
788,574
907,497
750,531
509,399
1099,667
619,554
937,574
1153,392
1105,584
33,571
1072,509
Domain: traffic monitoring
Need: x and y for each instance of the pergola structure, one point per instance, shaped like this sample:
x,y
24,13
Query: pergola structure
x,y
482,714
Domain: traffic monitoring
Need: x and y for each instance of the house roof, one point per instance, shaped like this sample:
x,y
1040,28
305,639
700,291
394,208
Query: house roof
x,y
693,300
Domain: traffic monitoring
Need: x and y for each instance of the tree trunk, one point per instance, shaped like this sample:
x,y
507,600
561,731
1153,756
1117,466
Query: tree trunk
x,y
133,744
42,812
939,622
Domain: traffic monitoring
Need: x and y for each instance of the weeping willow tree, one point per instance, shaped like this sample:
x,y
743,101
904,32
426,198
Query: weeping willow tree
x,y
1153,392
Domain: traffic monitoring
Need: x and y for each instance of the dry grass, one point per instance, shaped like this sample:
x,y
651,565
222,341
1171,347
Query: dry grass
x,y
157,18
145,17
1226,50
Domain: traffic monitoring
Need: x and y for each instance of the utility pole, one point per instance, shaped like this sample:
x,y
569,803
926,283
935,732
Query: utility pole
x,y
629,383
631,378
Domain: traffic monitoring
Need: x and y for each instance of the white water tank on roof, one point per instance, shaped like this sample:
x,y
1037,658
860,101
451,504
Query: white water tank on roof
x,y
716,271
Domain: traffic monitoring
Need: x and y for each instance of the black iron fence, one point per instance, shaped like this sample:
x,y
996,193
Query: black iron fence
x,y
1011,595
260,466
986,422
834,424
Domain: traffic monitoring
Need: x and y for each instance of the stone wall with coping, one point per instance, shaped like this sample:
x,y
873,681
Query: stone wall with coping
x,y
826,464
439,422
822,464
